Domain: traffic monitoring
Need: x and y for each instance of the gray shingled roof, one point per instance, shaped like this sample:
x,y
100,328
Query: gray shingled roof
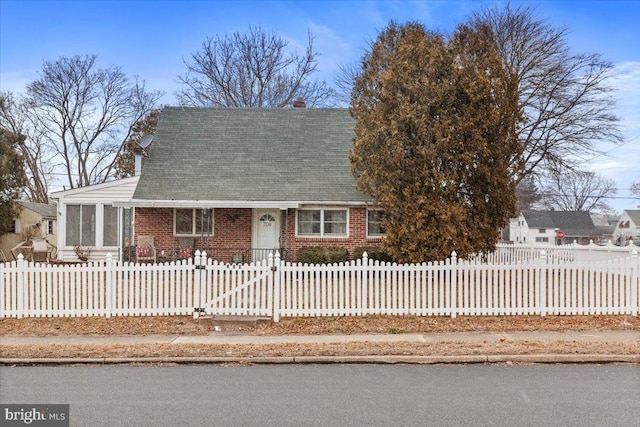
x,y
634,215
42,209
250,155
572,223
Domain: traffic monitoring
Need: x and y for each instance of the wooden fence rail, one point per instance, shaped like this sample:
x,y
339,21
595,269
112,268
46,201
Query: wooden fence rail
x,y
535,285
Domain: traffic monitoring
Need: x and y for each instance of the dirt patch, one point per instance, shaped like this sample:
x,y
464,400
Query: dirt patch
x,y
187,325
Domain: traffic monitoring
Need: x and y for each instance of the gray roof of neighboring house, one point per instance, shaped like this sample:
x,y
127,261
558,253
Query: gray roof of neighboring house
x,y
247,154
571,222
42,209
634,215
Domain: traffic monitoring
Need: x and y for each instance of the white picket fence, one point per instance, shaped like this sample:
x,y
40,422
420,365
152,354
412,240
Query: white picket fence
x,y
506,253
537,285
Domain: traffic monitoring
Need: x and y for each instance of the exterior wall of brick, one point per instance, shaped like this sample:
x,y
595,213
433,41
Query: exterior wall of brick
x,y
232,234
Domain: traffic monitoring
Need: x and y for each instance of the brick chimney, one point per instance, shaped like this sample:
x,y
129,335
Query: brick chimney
x,y
299,103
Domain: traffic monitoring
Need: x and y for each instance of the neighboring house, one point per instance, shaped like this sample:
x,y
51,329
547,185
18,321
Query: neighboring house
x,y
35,220
237,183
628,227
89,219
542,226
606,225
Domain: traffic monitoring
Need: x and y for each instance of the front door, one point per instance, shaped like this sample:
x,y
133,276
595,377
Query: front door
x,y
266,223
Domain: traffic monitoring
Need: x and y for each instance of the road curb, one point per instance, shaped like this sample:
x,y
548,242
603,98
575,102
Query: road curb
x,y
372,359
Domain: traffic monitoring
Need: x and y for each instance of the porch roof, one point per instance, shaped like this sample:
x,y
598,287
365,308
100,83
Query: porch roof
x,y
250,156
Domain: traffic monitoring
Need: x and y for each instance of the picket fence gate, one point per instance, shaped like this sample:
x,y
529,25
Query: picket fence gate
x,y
534,286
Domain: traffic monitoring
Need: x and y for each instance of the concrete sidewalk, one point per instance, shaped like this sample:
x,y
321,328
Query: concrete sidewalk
x,y
627,337
235,339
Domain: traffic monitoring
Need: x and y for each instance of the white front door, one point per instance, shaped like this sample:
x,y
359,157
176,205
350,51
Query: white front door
x,y
266,225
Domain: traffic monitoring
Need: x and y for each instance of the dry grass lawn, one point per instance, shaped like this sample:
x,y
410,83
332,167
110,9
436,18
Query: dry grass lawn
x,y
187,325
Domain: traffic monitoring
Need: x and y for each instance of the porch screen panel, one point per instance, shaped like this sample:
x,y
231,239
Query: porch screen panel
x,y
88,231
110,226
72,235
81,225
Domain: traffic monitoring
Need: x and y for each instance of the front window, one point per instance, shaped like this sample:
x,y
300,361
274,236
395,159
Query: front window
x,y
375,228
542,240
322,222
193,222
542,230
81,225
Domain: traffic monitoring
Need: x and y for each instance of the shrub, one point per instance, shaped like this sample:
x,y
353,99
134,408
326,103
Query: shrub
x,y
310,255
322,255
375,253
336,254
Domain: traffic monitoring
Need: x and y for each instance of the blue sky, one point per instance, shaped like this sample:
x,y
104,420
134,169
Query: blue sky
x,y
151,38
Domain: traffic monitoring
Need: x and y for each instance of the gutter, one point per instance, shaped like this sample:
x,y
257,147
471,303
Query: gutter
x,y
208,204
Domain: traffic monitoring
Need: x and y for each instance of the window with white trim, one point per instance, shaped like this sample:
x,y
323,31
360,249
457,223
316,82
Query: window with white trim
x,y
542,240
49,226
375,227
192,222
81,225
330,222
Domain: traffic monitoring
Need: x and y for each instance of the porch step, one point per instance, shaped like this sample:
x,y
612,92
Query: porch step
x,y
224,323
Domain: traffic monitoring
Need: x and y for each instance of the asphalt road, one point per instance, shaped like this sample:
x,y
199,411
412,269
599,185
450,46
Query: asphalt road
x,y
333,395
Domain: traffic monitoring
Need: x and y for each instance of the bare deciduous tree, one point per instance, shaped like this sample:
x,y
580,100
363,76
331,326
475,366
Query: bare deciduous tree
x,y
251,70
575,190
565,97
527,194
85,114
36,155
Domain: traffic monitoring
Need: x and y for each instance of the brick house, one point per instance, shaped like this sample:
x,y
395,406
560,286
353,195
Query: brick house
x,y
239,183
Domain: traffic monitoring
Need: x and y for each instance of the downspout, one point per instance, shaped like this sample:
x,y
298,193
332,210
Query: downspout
x,y
286,234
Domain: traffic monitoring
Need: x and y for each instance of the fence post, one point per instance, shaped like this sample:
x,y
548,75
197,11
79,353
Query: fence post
x,y
365,283
21,288
635,282
542,283
453,284
108,303
274,278
197,262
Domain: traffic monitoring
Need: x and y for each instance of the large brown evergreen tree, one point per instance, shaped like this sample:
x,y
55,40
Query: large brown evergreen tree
x,y
436,140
